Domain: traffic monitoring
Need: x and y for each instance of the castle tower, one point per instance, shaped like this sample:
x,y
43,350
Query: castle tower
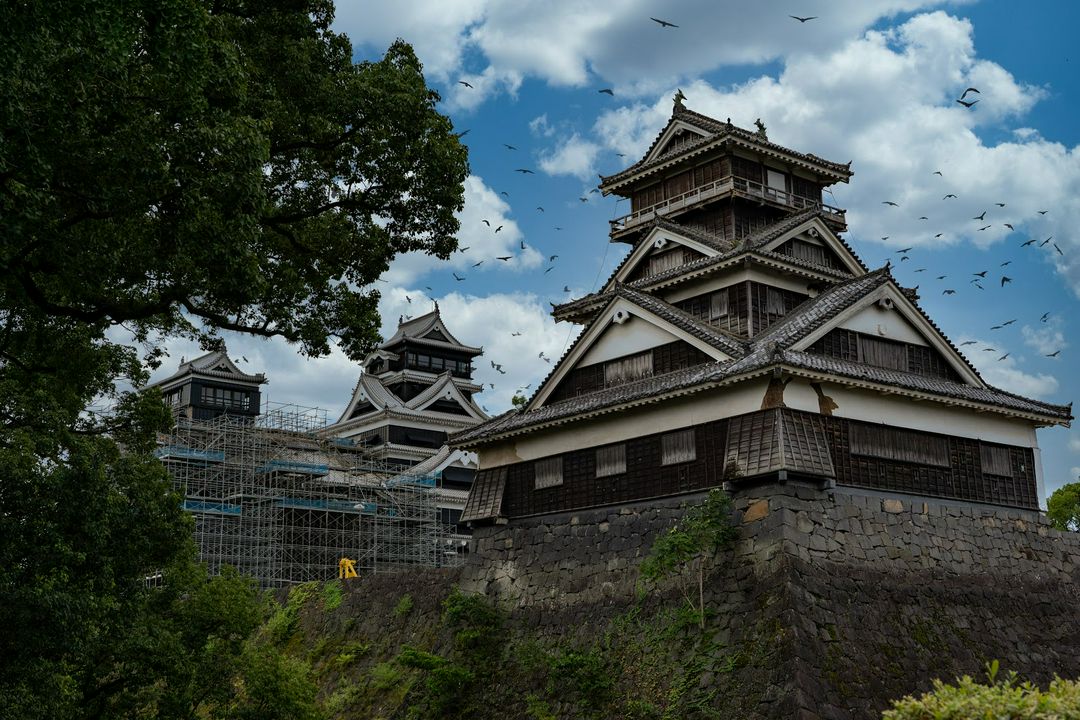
x,y
212,385
742,340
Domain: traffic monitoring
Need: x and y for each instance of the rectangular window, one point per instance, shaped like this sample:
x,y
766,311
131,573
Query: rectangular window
x,y
774,302
996,460
548,472
610,460
628,369
807,251
882,353
718,306
777,181
665,261
677,447
889,443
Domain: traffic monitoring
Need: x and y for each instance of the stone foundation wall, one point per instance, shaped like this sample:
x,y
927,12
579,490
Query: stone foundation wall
x,y
860,597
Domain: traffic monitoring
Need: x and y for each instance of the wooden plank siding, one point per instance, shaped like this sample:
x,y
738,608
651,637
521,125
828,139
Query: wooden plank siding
x,y
920,359
963,478
665,358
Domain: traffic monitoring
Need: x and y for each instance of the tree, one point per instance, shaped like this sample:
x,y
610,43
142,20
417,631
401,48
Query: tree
x,y
1006,698
688,549
177,167
1063,507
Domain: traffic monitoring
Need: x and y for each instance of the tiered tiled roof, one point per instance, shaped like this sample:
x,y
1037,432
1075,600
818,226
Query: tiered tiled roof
x,y
718,131
770,350
215,365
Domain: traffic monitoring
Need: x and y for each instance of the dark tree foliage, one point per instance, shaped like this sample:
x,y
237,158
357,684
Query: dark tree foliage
x,y
177,167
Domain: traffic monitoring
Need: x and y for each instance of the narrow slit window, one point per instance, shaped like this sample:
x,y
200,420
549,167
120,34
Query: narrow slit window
x,y
610,460
678,447
548,473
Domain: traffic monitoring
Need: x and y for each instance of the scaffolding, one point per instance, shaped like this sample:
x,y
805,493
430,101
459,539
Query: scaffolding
x,y
277,499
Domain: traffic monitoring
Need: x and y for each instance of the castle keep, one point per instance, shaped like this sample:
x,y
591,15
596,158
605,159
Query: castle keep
x,y
743,340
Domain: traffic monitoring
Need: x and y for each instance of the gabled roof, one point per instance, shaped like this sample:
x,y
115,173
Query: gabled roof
x,y
371,389
214,365
420,329
753,248
709,338
444,457
717,132
782,347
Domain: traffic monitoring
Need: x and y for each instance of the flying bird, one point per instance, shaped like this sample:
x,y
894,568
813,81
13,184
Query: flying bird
x,y
1053,354
462,134
937,172
540,208
1007,262
566,288
553,258
504,258
889,202
408,299
663,23
503,192
1042,212
1000,204
549,269
948,292
1008,322
939,235
942,277
950,195
1046,241
803,19
478,264
486,222
462,82
1003,357
1008,226
901,252
981,274
607,91
1045,315
967,104
1058,249
985,227
968,342
498,228
1029,242
515,334
522,244
980,217
459,279
524,171
923,217
970,90
509,147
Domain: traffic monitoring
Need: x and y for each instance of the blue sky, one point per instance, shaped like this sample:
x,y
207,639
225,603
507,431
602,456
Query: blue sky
x,y
871,82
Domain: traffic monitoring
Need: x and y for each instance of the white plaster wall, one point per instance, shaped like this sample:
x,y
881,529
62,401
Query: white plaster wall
x,y
736,275
879,322
858,404
694,410
633,336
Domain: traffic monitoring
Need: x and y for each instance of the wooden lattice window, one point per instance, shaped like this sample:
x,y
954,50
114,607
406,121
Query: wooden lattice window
x,y
996,460
882,353
665,261
718,305
611,460
678,447
627,369
808,251
548,472
890,443
774,301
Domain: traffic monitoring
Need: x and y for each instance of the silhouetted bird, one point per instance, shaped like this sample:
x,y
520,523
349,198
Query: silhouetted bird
x,y
981,274
889,202
803,19
937,172
663,23
1053,354
948,292
459,279
504,258
1000,204
478,264
1045,315
969,90
524,171
1008,226
462,82
607,91
967,104
1058,249
498,228
985,227
509,147
968,342
980,217
1029,242
950,195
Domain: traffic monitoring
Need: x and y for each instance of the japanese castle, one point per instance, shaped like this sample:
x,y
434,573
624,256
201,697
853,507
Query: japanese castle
x,y
743,340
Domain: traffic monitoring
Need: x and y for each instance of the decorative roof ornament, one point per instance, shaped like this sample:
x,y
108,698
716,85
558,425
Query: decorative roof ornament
x,y
762,132
678,101
436,306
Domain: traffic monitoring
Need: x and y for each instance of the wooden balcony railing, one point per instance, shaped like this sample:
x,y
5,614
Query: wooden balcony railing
x,y
734,185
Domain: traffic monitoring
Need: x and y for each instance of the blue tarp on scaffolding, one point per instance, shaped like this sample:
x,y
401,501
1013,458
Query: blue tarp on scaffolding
x,y
179,452
198,506
339,505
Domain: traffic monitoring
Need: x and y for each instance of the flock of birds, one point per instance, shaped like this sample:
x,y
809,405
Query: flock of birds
x,y
976,281
979,277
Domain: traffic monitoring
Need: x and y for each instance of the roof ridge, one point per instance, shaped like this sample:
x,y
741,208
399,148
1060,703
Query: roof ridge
x,y
731,342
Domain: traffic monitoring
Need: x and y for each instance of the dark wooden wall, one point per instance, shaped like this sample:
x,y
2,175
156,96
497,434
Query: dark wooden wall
x,y
921,360
666,358
645,477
